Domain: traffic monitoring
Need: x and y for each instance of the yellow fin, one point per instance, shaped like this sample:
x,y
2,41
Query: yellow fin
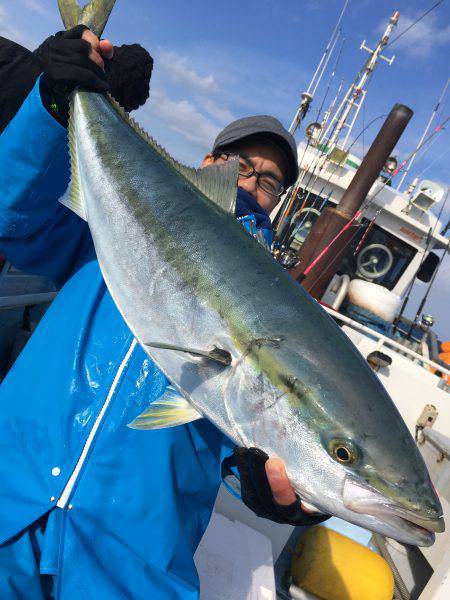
x,y
169,410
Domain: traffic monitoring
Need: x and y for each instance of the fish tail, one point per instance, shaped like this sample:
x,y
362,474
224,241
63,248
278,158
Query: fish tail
x,y
94,15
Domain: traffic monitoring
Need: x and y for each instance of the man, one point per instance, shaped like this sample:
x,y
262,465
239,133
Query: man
x,y
89,507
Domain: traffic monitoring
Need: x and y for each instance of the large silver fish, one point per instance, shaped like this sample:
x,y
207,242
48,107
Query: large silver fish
x,y
244,344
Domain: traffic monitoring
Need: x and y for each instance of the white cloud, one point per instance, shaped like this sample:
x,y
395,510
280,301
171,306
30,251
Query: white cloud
x,y
8,30
179,70
18,25
184,118
217,111
421,40
205,90
42,8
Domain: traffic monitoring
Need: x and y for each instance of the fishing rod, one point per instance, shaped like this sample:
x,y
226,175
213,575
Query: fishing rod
x,y
413,280
284,236
412,186
336,166
437,130
364,206
330,193
287,205
425,152
329,82
427,127
291,197
311,170
389,180
330,109
357,90
425,298
307,97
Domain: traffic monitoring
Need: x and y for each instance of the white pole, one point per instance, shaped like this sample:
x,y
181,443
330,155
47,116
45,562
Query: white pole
x,y
307,97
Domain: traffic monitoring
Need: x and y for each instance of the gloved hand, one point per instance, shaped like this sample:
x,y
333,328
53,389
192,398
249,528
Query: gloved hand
x,y
68,61
128,75
257,494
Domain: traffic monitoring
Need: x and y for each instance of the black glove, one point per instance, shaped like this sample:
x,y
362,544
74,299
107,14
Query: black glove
x,y
257,495
65,63
128,74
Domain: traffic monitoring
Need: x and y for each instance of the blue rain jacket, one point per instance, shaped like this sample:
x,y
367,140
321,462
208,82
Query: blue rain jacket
x,y
126,508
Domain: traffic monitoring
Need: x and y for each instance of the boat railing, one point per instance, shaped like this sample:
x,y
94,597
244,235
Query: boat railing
x,y
386,341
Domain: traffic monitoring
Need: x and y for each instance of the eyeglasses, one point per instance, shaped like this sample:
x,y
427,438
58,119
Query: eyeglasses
x,y
267,183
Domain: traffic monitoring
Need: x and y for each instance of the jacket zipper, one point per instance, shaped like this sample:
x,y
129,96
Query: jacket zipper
x,y
64,498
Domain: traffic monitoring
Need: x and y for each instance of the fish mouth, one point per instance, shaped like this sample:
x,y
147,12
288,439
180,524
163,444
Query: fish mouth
x,y
411,526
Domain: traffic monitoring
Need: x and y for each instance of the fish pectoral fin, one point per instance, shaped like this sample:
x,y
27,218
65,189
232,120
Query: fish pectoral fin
x,y
169,410
218,355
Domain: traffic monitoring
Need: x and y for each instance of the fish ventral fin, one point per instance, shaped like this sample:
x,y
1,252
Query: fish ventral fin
x,y
218,355
169,410
218,183
73,198
94,15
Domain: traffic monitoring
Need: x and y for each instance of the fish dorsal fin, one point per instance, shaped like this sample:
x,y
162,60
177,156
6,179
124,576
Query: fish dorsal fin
x,y
94,14
218,183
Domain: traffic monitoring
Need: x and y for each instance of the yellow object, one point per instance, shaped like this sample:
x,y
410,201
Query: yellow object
x,y
333,567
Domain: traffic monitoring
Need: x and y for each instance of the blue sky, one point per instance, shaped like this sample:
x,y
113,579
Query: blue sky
x,y
218,61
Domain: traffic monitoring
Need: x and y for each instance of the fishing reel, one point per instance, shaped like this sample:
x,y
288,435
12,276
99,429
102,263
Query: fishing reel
x,y
287,257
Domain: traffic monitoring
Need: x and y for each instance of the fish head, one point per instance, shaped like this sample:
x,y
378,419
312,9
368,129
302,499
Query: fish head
x,y
347,450
380,486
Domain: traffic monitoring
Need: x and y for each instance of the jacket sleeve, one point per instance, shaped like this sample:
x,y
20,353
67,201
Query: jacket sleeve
x,y
37,233
19,70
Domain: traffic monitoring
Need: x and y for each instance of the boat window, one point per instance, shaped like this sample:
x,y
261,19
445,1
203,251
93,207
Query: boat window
x,y
382,258
310,206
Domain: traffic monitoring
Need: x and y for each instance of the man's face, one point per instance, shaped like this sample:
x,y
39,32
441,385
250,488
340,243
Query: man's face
x,y
266,160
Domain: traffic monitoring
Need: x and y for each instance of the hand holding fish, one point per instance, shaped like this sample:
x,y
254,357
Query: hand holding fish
x,y
99,48
70,59
267,491
282,490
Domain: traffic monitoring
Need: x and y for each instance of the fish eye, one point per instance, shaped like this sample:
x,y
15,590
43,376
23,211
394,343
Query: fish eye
x,y
343,451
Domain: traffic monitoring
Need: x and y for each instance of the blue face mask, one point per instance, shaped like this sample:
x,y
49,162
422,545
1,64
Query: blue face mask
x,y
254,218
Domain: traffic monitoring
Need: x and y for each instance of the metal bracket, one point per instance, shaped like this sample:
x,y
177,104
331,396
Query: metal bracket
x,y
427,418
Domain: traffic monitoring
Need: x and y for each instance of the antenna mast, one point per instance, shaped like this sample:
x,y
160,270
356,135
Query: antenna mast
x,y
356,93
307,97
